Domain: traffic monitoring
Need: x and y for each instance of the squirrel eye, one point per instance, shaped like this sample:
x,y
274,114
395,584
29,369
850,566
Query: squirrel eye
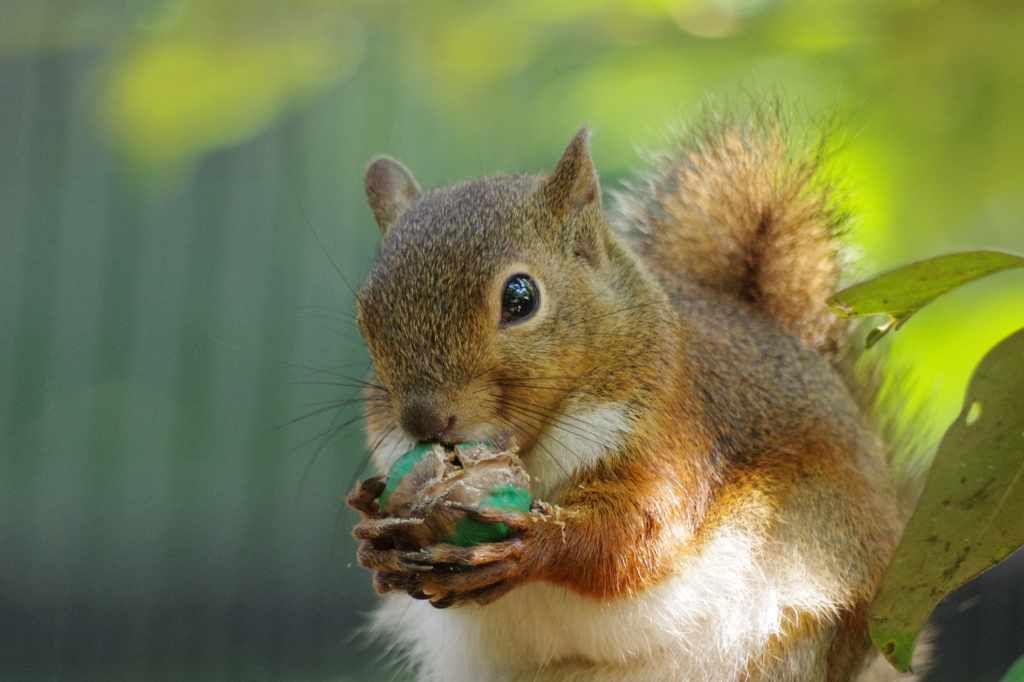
x,y
519,300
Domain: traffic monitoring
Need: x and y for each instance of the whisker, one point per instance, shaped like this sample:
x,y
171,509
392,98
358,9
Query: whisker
x,y
325,438
523,408
539,444
482,372
548,410
347,312
547,420
372,450
318,370
543,448
302,210
325,407
339,384
341,401
357,473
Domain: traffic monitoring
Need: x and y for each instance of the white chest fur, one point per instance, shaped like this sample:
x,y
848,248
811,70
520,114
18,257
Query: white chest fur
x,y
703,623
573,442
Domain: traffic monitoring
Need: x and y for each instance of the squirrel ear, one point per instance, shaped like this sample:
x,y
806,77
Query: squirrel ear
x,y
389,187
572,189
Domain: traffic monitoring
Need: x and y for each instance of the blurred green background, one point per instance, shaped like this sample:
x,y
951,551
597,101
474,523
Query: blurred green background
x,y
181,220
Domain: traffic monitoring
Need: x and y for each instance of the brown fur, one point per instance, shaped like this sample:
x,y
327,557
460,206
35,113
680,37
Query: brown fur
x,y
718,348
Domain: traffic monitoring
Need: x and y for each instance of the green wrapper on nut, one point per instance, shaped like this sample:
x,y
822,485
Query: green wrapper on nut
x,y
428,481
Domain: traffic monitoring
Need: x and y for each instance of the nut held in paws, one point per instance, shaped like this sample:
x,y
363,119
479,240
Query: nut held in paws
x,y
430,481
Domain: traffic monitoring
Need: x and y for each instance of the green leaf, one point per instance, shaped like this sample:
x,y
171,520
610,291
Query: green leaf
x,y
1016,673
902,292
971,513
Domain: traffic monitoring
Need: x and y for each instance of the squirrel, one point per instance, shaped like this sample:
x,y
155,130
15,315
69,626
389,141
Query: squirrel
x,y
714,500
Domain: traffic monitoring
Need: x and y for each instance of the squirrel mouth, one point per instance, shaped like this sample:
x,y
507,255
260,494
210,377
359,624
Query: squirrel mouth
x,y
499,440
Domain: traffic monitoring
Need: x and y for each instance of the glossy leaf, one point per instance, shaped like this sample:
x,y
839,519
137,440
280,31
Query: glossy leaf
x,y
1016,672
902,292
971,513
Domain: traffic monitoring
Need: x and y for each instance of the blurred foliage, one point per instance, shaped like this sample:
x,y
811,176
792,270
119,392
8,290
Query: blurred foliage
x,y
207,76
931,91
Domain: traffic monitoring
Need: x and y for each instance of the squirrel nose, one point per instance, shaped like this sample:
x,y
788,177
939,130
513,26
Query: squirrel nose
x,y
426,418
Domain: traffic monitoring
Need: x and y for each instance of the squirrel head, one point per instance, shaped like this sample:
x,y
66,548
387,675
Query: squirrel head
x,y
494,303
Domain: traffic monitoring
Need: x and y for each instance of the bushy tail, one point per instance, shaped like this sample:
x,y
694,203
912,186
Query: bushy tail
x,y
745,207
742,209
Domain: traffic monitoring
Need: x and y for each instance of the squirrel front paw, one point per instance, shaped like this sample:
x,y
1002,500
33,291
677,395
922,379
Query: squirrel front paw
x,y
445,574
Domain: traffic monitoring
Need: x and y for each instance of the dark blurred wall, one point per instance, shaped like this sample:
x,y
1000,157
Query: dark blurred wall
x,y
160,515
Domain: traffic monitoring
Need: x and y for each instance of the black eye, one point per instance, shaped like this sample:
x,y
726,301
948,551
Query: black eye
x,y
519,300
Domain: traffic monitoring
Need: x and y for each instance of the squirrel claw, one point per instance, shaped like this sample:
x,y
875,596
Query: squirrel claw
x,y
480,586
444,602
447,575
388,561
515,520
419,559
372,529
364,498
